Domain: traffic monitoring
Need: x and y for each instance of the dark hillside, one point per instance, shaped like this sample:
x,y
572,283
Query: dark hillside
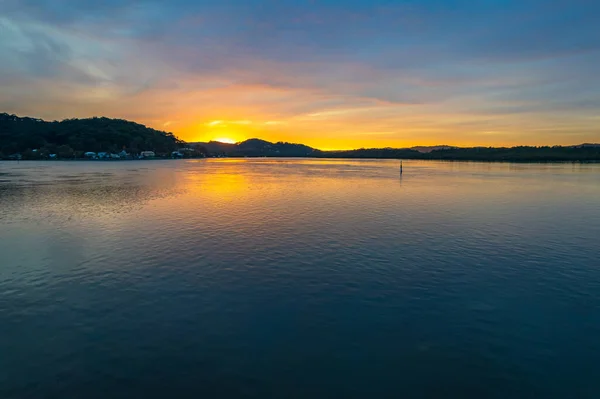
x,y
75,136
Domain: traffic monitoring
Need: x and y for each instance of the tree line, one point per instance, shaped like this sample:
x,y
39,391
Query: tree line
x,y
583,153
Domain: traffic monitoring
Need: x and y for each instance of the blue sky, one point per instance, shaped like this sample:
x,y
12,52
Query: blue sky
x,y
334,74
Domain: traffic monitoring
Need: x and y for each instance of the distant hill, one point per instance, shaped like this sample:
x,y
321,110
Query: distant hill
x,y
72,137
519,154
259,148
217,147
426,149
586,145
381,153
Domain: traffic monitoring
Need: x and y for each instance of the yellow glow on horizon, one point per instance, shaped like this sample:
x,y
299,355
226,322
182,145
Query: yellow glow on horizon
x,y
323,136
368,125
225,140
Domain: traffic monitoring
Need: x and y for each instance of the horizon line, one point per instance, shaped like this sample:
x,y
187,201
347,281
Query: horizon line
x,y
395,148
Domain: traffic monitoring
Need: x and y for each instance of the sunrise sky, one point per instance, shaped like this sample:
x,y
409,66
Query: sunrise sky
x,y
331,74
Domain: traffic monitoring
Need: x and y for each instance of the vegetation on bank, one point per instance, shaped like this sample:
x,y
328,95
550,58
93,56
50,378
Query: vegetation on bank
x,y
582,153
72,138
29,138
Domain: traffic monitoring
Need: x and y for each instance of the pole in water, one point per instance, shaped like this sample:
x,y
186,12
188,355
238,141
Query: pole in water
x,y
400,167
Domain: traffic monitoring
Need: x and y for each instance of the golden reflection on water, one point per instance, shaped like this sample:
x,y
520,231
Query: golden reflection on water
x,y
121,193
225,184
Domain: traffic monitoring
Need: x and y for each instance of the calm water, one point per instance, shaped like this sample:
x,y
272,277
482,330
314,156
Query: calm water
x,y
299,278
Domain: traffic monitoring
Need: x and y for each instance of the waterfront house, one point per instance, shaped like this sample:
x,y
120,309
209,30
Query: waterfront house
x,y
147,154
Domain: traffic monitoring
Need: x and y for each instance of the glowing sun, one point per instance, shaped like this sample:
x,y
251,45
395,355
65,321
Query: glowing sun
x,y
225,140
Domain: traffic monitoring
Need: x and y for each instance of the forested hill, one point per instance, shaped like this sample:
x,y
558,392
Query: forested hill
x,y
259,148
72,136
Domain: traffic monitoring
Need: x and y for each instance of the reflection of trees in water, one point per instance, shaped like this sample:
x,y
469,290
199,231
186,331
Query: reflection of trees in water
x,y
77,198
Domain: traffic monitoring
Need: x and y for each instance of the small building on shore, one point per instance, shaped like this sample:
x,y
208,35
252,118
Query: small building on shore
x,y
147,154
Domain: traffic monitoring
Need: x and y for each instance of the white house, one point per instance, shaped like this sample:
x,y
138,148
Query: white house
x,y
147,154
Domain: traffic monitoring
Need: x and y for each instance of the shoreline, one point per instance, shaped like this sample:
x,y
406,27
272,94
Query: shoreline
x,y
536,161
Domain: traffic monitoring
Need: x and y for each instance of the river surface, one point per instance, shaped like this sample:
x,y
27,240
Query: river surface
x,y
299,278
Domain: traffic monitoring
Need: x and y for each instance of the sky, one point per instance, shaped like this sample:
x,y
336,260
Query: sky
x,y
333,74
